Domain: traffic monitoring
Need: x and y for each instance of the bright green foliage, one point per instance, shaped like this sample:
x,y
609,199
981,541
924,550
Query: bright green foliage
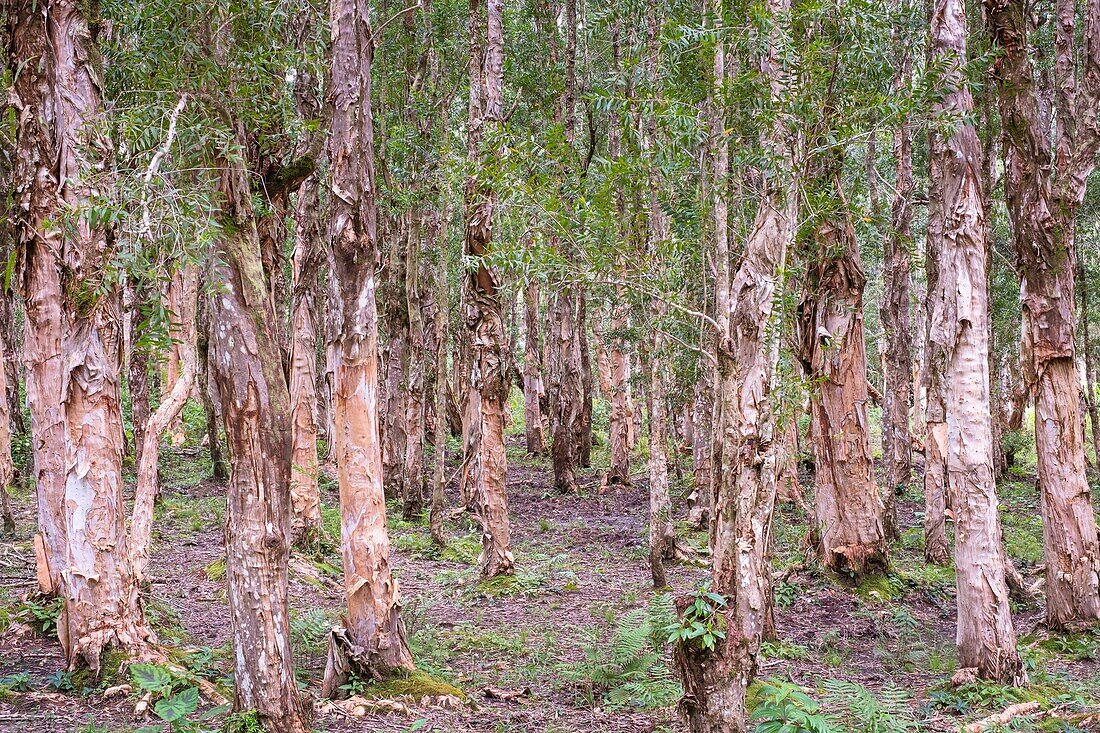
x,y
702,622
783,707
628,670
856,710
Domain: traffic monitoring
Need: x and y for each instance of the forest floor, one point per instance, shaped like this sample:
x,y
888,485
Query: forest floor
x,y
556,648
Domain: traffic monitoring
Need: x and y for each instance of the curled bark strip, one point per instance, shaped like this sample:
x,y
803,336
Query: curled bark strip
x,y
1004,717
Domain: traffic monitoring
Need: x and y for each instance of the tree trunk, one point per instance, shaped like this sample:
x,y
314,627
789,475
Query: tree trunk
x,y
137,375
1042,195
750,453
73,340
439,436
413,481
936,550
305,497
702,438
848,510
584,424
375,631
175,295
985,637
1090,369
486,463
532,372
662,538
166,414
7,468
212,412
897,367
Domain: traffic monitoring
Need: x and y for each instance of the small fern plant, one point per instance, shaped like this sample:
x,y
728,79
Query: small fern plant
x,y
855,709
629,670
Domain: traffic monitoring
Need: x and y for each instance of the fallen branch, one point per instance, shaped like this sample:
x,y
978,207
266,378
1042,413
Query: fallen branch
x,y
1005,716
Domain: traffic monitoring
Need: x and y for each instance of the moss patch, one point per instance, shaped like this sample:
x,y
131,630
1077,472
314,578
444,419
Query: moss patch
x,y
109,666
416,685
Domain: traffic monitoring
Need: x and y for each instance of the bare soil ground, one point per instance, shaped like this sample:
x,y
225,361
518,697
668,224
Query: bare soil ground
x,y
582,566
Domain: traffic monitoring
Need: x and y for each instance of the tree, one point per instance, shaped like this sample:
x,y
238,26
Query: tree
x,y
375,644
1044,185
486,463
985,638
749,459
73,342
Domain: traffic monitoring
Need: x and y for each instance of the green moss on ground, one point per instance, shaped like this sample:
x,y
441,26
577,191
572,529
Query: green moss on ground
x,y
417,685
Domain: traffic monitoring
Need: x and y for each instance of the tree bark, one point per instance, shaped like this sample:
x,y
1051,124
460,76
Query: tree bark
x,y
486,464
748,463
1090,367
413,481
985,638
374,626
73,341
532,372
7,468
161,421
662,538
305,497
897,367
936,550
1043,193
848,510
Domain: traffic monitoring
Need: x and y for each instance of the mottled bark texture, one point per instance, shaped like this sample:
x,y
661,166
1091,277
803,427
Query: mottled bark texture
x,y
532,371
897,361
829,332
749,458
485,462
1044,186
375,635
305,497
246,371
73,331
985,638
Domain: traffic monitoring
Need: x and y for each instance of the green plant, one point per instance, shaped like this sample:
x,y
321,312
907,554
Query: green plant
x,y
782,707
18,682
629,670
702,621
856,710
176,698
40,614
310,630
60,680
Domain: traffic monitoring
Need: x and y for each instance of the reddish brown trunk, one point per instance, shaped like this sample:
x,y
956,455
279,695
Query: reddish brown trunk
x,y
532,372
486,464
848,510
897,363
1043,193
375,637
305,496
715,682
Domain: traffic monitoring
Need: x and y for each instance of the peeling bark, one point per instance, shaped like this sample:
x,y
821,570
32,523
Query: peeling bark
x,y
985,638
374,625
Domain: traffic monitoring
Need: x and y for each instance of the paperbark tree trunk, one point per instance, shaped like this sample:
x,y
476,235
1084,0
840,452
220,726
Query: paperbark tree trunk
x,y
396,321
486,463
1043,193
375,631
412,483
985,638
702,439
532,372
73,341
936,550
247,372
137,369
897,363
662,538
169,409
305,497
564,359
750,451
211,411
439,437
584,424
1090,369
848,510
7,468
176,433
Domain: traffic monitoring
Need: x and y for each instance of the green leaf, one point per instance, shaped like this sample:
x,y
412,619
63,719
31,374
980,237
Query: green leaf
x,y
151,678
177,707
